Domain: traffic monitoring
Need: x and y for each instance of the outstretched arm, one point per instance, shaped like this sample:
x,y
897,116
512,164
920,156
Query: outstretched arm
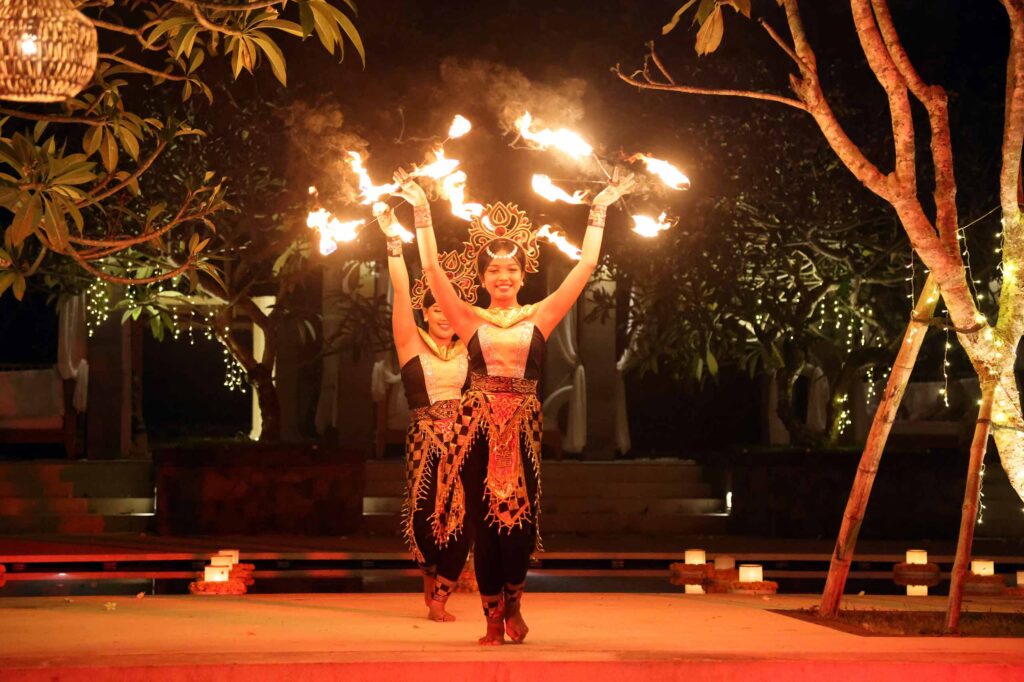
x,y
552,309
461,314
403,323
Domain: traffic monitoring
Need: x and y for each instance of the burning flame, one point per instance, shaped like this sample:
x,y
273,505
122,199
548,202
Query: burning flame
x,y
460,126
646,226
332,230
565,141
559,240
371,192
543,186
453,188
403,234
439,168
668,173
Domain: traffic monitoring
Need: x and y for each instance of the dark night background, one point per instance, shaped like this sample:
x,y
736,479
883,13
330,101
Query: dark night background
x,y
428,61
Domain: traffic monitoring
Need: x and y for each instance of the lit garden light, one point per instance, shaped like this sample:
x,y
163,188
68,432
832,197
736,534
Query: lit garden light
x,y
983,567
216,574
916,573
751,573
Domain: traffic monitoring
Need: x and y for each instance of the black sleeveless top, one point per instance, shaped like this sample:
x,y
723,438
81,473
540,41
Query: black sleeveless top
x,y
415,384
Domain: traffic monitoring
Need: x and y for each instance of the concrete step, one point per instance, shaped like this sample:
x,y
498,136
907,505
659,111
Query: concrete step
x,y
382,524
116,506
73,523
96,478
631,506
382,505
615,489
14,506
610,523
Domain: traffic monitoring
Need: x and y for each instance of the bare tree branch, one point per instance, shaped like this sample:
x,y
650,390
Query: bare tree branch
x,y
135,66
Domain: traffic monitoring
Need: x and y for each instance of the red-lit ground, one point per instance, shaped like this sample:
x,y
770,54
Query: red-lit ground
x,y
384,637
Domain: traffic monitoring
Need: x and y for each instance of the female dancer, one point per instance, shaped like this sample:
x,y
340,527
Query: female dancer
x,y
499,423
434,369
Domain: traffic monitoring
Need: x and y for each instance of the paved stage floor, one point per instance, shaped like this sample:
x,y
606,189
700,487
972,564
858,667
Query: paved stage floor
x,y
385,637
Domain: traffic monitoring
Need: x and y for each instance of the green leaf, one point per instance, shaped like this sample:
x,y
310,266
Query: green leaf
x,y
282,25
131,144
709,37
704,10
741,6
18,289
350,30
108,151
7,278
667,28
306,20
166,26
712,363
91,140
26,219
274,56
188,41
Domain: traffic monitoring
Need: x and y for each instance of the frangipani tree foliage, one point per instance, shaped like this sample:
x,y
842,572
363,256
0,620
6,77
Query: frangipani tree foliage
x,y
926,207
71,174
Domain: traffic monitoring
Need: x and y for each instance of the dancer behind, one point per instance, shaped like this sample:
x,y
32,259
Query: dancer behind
x,y
499,424
434,369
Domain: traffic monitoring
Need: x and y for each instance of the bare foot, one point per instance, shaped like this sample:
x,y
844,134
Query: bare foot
x,y
438,612
516,626
428,588
495,634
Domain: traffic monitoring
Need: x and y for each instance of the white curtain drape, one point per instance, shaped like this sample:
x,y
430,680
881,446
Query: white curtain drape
x,y
575,392
71,362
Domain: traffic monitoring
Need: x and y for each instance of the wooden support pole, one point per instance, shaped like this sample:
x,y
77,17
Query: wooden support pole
x,y
857,503
969,512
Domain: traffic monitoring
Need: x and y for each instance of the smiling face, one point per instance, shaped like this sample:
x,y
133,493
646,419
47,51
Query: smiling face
x,y
438,325
502,276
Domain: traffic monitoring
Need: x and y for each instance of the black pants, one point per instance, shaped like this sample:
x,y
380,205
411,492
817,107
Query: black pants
x,y
450,559
502,556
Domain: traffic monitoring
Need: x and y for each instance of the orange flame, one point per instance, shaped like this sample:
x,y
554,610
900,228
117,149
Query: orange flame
x,y
563,140
543,186
558,239
399,229
370,191
459,127
332,230
453,188
646,226
669,174
439,168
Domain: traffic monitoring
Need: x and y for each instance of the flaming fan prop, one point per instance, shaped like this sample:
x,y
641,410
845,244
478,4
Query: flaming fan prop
x,y
443,170
574,146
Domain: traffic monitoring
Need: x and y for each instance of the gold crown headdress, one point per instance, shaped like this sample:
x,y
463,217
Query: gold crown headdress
x,y
461,272
503,221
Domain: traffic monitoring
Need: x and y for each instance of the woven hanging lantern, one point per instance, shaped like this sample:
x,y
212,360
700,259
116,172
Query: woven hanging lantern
x,y
47,50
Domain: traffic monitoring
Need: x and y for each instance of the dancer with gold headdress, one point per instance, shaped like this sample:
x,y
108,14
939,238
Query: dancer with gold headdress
x,y
434,367
499,422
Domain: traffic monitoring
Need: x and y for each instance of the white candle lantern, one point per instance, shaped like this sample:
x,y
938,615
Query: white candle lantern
x,y
695,557
233,553
219,560
751,573
917,556
215,574
694,589
725,563
979,567
917,590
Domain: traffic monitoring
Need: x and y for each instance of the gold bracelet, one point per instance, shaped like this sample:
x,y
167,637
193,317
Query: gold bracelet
x,y
421,216
598,215
394,247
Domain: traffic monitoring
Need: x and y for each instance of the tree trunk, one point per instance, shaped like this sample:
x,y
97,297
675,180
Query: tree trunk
x,y
969,514
262,381
857,503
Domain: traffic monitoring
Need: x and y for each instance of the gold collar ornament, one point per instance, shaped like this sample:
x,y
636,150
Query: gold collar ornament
x,y
461,272
452,350
506,317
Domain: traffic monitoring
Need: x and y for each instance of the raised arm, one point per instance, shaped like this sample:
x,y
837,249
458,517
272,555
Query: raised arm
x,y
461,314
403,323
552,309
